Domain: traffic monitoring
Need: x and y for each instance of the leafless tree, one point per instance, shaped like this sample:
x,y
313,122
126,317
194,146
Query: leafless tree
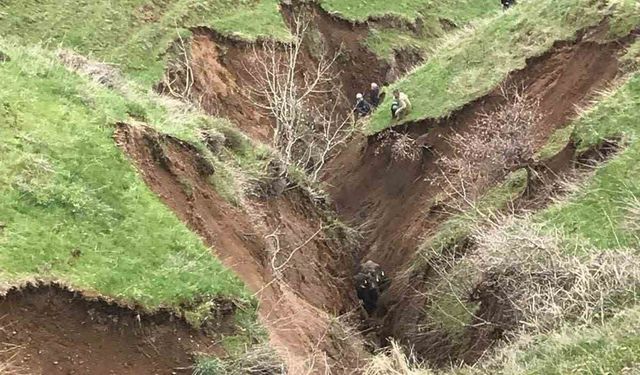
x,y
178,79
307,126
501,140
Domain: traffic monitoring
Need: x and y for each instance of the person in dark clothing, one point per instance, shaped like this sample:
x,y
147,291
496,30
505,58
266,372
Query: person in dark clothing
x,y
507,3
374,95
363,108
370,282
394,106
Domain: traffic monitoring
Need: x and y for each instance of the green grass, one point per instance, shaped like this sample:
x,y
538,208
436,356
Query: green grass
x,y
556,142
445,310
435,18
458,227
362,10
601,214
66,188
386,41
134,34
611,348
471,63
456,11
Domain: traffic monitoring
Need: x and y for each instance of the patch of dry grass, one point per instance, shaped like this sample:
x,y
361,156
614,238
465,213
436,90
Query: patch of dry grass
x,y
544,284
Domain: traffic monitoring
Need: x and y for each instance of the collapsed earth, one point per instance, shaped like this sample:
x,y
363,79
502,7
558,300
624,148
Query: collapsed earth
x,y
319,187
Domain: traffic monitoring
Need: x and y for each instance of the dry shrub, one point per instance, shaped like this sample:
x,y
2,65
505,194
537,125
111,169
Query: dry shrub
x,y
401,146
178,77
9,364
393,361
500,141
544,284
258,360
102,73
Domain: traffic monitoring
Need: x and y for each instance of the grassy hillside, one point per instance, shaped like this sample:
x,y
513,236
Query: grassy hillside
x,y
134,34
73,208
589,240
435,18
603,215
471,63
428,11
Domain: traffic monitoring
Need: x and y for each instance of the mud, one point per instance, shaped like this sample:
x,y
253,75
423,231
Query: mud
x,y
52,330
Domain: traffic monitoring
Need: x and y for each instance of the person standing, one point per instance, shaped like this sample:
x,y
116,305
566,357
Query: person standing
x,y
374,95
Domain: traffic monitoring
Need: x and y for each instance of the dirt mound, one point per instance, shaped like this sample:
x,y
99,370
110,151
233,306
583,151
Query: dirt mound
x,y
52,330
282,248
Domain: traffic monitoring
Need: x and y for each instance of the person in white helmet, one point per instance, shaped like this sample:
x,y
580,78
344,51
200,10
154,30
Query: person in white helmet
x,y
363,108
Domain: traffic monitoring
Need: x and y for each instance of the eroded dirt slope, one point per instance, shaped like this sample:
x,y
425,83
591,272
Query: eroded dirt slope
x,y
51,330
220,79
391,199
395,201
300,286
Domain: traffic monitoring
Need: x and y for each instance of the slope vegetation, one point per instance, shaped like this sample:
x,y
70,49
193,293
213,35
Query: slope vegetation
x,y
167,217
136,34
470,63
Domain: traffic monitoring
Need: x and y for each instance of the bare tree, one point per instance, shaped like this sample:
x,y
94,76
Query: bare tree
x,y
178,79
500,141
307,126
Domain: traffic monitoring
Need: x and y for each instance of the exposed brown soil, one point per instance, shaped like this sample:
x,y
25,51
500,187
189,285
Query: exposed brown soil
x,y
397,194
315,281
220,68
52,330
394,200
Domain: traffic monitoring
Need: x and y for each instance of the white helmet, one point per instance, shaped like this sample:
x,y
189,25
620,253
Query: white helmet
x,y
359,96
374,85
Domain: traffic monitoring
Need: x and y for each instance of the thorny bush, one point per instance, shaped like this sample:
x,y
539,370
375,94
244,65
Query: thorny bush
x,y
500,141
401,145
544,283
